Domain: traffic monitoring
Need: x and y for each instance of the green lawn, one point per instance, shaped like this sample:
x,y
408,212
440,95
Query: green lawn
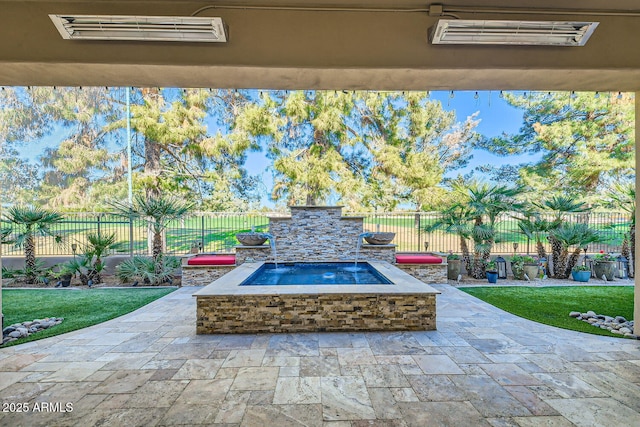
x,y
551,305
80,308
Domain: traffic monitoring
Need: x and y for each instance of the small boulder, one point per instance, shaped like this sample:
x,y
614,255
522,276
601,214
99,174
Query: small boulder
x,y
7,330
574,314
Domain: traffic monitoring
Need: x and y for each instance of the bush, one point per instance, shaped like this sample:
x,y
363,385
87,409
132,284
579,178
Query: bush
x,y
146,270
581,268
452,257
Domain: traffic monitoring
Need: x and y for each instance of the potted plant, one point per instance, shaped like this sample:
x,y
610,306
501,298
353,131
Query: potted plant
x,y
492,272
531,267
581,273
604,265
517,267
64,275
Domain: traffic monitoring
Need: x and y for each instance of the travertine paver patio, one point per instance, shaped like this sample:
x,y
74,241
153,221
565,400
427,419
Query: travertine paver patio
x,y
482,367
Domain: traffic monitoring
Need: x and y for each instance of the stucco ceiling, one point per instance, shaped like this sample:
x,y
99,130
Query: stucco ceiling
x,y
329,49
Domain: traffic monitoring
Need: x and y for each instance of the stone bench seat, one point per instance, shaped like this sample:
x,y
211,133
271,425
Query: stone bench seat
x,y
430,268
202,269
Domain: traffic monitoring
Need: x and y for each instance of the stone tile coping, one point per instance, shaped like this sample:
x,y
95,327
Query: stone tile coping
x,y
229,284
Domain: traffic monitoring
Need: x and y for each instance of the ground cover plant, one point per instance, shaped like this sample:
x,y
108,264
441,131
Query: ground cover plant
x,y
552,305
80,309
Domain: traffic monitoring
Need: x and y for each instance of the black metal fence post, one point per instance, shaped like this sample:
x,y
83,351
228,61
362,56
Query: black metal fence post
x,y
202,230
130,236
418,222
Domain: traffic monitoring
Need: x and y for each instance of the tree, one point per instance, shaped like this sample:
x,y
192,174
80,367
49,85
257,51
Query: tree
x,y
96,249
583,140
412,143
181,157
486,202
559,206
84,157
313,151
456,220
31,222
568,235
370,149
536,228
158,212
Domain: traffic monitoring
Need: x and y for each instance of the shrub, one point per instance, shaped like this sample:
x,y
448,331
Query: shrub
x,y
581,268
147,270
452,257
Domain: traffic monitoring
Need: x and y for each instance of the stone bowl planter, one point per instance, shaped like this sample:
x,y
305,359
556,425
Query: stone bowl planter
x,y
531,270
251,239
380,238
605,268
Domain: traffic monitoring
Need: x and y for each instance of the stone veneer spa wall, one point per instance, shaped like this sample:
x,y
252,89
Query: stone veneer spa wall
x,y
315,233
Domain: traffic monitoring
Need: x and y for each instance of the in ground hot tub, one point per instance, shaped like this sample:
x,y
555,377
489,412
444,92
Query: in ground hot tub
x,y
253,298
316,273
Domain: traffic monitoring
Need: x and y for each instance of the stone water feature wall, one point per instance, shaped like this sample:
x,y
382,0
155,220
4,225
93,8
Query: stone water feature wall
x,y
315,233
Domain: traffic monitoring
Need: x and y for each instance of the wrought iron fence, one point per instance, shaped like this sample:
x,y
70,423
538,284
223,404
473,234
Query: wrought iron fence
x,y
215,232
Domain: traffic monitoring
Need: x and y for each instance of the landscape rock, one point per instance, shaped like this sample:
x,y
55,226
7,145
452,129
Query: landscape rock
x,y
616,325
21,330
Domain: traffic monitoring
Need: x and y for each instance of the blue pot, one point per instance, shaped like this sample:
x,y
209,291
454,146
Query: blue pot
x,y
492,276
581,276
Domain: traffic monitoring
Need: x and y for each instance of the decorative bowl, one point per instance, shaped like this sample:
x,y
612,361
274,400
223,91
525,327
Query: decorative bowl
x,y
251,239
380,238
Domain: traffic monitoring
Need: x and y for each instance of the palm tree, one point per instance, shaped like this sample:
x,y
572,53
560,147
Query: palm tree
x,y
32,222
97,247
624,197
5,232
559,206
455,220
536,228
568,235
158,211
486,202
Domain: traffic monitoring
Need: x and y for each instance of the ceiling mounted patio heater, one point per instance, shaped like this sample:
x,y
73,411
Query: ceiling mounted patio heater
x,y
140,28
488,32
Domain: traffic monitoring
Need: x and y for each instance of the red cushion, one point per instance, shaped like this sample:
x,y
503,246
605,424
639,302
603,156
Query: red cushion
x,y
212,260
418,259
